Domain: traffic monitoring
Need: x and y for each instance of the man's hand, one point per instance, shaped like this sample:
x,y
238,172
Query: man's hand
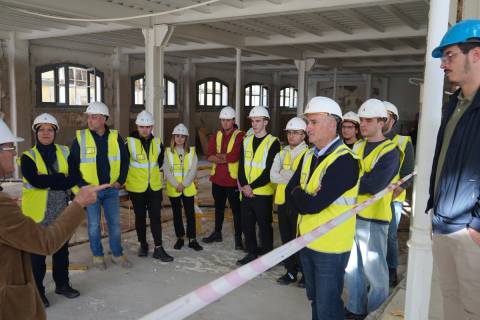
x,y
116,185
222,158
88,194
247,191
475,235
180,187
397,192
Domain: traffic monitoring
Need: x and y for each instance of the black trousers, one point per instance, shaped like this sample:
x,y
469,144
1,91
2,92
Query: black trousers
x,y
188,204
150,201
60,264
257,210
287,224
220,196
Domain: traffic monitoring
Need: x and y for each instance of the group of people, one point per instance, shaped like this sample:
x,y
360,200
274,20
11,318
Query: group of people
x,y
310,184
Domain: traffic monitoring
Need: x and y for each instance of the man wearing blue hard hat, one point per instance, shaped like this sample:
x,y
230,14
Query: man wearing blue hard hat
x,y
455,179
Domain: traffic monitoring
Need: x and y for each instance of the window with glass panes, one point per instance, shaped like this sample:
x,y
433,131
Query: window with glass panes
x,y
256,94
212,93
68,85
288,97
169,93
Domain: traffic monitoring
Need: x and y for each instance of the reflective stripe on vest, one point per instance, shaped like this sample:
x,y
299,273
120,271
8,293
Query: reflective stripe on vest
x,y
34,201
88,156
339,239
180,170
143,171
256,162
402,142
287,164
232,166
381,209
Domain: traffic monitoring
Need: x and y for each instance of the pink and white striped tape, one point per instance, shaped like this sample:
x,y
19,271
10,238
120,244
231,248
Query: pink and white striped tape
x,y
203,296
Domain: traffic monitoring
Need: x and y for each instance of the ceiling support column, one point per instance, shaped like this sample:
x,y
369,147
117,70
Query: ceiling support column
x,y
238,87
303,66
121,89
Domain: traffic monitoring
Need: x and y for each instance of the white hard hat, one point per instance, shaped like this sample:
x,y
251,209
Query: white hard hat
x,y
97,107
6,135
45,118
296,123
259,111
372,108
180,129
323,104
145,119
391,107
227,113
351,116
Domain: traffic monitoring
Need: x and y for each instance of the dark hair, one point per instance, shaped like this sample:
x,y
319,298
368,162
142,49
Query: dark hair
x,y
471,43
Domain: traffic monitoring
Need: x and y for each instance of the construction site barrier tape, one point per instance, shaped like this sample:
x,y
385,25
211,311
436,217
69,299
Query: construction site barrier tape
x,y
203,296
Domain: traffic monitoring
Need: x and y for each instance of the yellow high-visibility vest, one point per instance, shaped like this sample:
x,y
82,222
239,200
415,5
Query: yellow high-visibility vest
x,y
232,166
287,164
88,156
379,210
402,142
34,200
339,239
180,171
256,162
143,171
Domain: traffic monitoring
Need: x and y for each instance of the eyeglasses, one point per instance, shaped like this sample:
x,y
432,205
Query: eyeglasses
x,y
294,133
8,148
448,57
348,127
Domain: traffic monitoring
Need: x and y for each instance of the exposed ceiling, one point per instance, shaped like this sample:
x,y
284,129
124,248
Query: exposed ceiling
x,y
366,36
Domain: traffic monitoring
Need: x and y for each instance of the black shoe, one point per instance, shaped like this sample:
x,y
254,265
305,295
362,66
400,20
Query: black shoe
x,y
353,316
160,254
179,244
143,250
392,277
214,237
286,279
195,245
249,257
45,301
301,283
67,291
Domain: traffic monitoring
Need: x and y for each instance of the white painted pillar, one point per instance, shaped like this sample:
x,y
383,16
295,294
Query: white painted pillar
x,y
19,88
384,90
334,93
238,86
419,273
303,66
156,39
275,104
121,89
189,98
368,86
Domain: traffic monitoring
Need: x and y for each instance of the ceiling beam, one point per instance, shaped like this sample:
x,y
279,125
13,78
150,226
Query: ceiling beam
x,y
309,29
410,43
286,52
233,3
73,45
333,24
355,53
383,44
393,10
269,28
237,27
209,34
364,19
359,45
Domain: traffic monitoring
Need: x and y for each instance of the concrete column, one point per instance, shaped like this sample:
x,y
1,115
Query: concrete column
x,y
334,93
238,87
121,89
384,90
156,39
19,87
368,86
419,273
275,104
189,95
303,66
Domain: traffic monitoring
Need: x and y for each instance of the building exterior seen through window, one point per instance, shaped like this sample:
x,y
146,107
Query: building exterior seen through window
x,y
256,94
288,97
212,93
169,93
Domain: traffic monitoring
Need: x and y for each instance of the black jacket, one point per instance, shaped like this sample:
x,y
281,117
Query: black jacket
x,y
455,202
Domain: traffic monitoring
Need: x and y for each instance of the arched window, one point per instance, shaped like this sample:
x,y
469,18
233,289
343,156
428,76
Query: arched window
x,y
212,93
169,93
288,97
68,85
256,94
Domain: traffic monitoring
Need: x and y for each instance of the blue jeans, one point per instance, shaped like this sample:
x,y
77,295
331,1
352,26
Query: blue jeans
x,y
108,199
324,274
392,244
367,271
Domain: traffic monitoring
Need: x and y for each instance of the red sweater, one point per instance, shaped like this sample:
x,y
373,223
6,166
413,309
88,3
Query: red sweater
x,y
221,176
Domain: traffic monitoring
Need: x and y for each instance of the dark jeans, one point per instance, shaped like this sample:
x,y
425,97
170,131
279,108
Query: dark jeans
x,y
220,195
150,201
323,274
287,224
257,210
188,204
60,264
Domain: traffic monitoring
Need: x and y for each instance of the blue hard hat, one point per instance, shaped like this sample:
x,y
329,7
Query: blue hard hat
x,y
459,33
